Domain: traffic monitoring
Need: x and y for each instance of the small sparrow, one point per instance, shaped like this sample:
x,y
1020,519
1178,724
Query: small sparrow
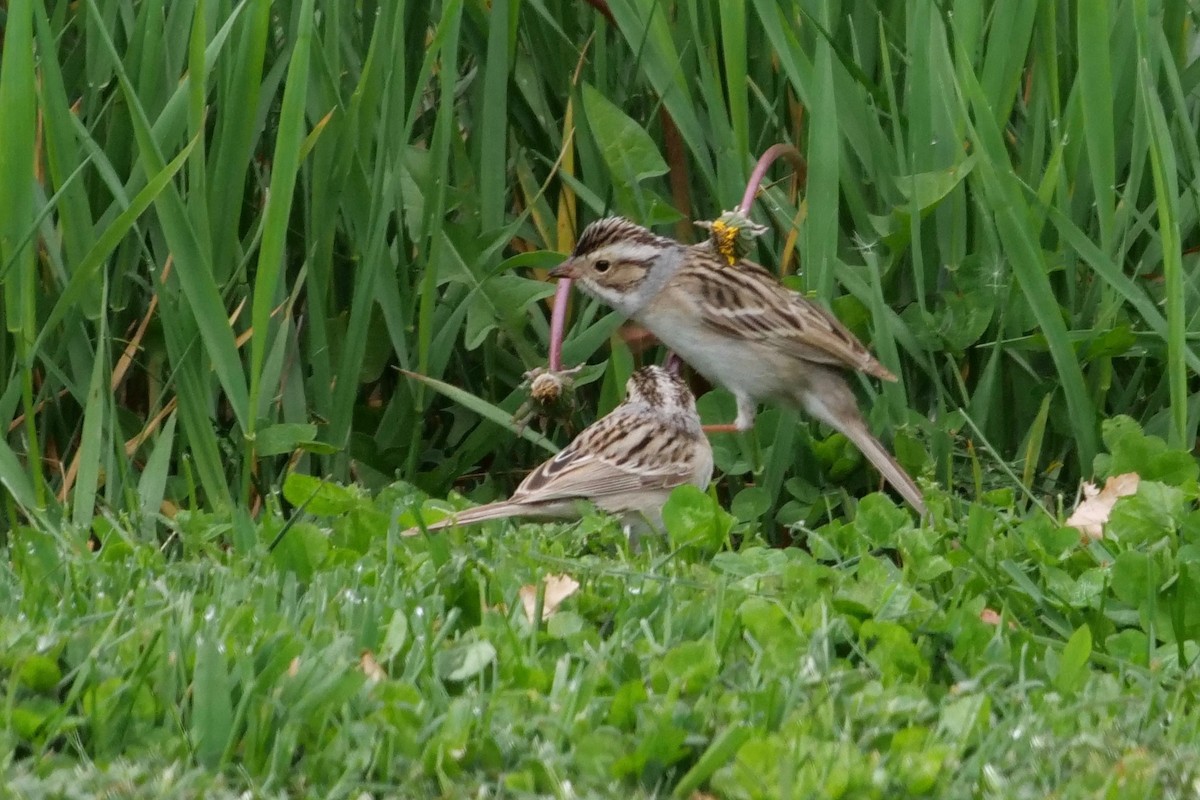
x,y
738,326
627,462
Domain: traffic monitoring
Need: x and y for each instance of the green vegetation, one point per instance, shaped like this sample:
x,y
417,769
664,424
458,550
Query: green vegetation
x,y
989,656
226,228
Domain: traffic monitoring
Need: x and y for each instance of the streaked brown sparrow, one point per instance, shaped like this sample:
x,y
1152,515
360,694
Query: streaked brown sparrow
x,y
626,463
738,326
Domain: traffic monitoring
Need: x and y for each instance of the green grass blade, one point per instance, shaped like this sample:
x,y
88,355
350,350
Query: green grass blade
x,y
1166,194
212,704
64,160
492,149
1096,90
15,479
152,485
1008,41
285,166
821,195
193,270
83,279
1003,190
733,45
18,276
197,175
92,446
484,409
233,139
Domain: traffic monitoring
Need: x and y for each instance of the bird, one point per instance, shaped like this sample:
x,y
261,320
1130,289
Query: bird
x,y
626,463
738,326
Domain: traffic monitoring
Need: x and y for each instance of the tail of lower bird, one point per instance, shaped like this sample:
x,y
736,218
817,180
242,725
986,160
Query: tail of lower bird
x,y
473,515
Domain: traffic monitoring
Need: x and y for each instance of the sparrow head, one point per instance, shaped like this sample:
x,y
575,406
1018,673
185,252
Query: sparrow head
x,y
620,263
660,389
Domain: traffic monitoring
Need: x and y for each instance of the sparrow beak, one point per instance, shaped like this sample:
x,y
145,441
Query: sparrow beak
x,y
564,270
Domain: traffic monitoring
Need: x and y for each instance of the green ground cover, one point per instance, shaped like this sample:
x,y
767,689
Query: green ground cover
x,y
988,655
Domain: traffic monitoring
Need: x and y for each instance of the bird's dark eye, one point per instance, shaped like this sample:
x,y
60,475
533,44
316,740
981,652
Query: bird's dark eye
x,y
602,265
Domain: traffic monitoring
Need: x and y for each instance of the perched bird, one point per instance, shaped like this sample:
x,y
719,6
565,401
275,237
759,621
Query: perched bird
x,y
738,326
627,462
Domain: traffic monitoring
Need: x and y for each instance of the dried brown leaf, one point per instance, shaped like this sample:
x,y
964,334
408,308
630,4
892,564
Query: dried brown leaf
x,y
370,667
558,589
1093,511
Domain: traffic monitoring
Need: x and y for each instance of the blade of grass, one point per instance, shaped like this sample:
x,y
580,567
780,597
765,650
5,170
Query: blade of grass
x,y
212,707
1033,443
1002,189
1096,93
83,279
733,45
193,270
152,485
197,93
1166,193
18,276
492,148
92,445
233,139
821,195
64,160
15,479
285,166
445,43
484,409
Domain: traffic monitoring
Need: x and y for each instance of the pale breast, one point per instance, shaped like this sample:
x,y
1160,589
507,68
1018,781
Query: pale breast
x,y
753,368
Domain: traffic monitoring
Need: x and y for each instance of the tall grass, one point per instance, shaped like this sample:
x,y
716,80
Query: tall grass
x,y
225,225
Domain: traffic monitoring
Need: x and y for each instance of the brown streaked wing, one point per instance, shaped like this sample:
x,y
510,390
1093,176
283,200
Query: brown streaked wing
x,y
610,457
746,302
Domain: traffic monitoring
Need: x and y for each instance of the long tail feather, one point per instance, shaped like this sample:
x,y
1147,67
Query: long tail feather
x,y
480,514
891,470
827,397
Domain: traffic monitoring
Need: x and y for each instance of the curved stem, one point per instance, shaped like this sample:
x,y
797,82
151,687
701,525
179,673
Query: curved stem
x,y
760,170
558,322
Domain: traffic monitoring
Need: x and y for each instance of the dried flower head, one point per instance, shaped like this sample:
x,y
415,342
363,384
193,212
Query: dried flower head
x,y
732,234
550,394
546,388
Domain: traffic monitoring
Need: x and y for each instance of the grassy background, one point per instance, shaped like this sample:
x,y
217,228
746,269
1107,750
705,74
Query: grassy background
x,y
226,226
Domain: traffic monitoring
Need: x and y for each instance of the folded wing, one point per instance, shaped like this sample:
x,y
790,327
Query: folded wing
x,y
623,453
744,301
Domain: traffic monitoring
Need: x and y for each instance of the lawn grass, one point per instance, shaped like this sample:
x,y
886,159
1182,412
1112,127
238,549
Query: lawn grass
x,y
990,654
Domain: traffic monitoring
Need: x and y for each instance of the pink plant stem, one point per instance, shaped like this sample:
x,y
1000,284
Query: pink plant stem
x,y
558,321
760,170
